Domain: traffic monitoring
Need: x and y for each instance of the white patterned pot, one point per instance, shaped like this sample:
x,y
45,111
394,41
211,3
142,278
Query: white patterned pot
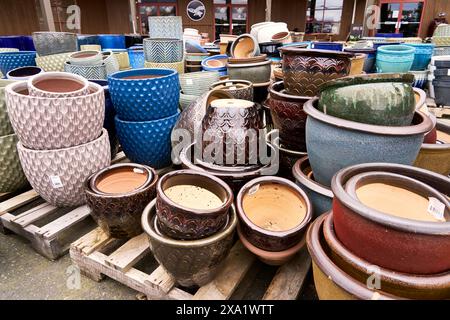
x,y
197,83
169,27
88,72
49,43
54,62
111,63
163,50
178,66
74,85
86,58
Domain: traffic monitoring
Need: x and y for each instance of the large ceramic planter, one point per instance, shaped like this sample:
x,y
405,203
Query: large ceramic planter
x,y
258,72
306,70
264,33
163,50
54,62
49,43
177,66
239,89
16,59
12,177
119,214
5,124
422,55
23,73
244,46
58,175
147,142
160,100
396,243
46,123
87,39
194,262
369,62
169,27
57,85
394,58
335,143
197,83
88,72
137,57
112,41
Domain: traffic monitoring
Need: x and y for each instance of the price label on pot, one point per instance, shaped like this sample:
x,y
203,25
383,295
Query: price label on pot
x,y
436,208
56,182
448,72
137,170
253,189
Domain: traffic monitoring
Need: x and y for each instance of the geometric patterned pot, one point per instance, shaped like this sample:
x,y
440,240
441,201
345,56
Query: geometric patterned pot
x,y
163,50
54,62
12,177
165,27
177,66
88,72
49,43
13,60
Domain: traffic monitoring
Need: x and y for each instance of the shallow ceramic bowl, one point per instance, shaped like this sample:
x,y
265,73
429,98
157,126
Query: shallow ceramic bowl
x,y
244,46
49,43
12,177
54,62
209,63
197,83
258,72
23,73
258,58
239,89
16,59
5,124
75,85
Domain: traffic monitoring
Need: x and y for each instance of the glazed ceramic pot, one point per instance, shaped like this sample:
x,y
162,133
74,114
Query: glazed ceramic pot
x,y
394,58
12,177
192,46
197,83
15,42
190,262
23,73
49,43
160,100
186,100
260,92
191,213
5,124
255,27
58,175
16,59
85,58
277,217
87,39
403,245
57,85
90,47
331,46
357,64
239,89
306,70
119,213
177,66
264,33
48,123
88,72
270,49
169,27
54,62
379,99
121,55
349,143
320,196
258,72
112,41
215,63
422,55
259,58
282,37
111,63
191,56
147,142
369,62
137,57
163,50
244,46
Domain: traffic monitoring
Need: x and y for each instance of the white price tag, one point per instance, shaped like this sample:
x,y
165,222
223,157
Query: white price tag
x,y
228,84
56,182
436,208
448,72
137,170
189,82
253,190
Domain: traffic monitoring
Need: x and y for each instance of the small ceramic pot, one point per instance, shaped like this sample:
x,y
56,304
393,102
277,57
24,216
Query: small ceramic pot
x,y
88,72
258,72
239,89
53,63
265,33
191,262
121,55
394,58
215,63
119,214
12,177
163,50
244,46
197,83
57,85
111,63
422,55
266,239
112,41
178,221
186,100
49,43
369,62
5,124
23,73
15,59
137,57
177,66
85,58
169,27
282,37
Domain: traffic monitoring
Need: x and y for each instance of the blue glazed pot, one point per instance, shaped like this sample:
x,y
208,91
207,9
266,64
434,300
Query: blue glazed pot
x,y
145,99
147,142
11,42
27,44
137,57
332,46
112,41
206,67
84,39
333,143
369,63
422,55
395,59
13,60
376,45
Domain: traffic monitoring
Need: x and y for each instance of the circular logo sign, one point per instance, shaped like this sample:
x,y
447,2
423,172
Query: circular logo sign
x,y
196,10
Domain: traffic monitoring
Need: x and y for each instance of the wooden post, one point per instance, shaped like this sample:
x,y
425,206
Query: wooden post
x,y
133,16
48,14
268,10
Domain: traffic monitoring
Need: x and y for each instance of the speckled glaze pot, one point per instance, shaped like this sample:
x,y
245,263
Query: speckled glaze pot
x,y
54,62
5,125
258,72
15,59
12,177
163,50
59,85
347,143
119,215
239,89
112,41
306,70
394,58
179,222
402,245
23,73
190,262
48,43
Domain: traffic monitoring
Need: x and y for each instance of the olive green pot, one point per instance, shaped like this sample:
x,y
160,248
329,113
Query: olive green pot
x,y
12,177
5,125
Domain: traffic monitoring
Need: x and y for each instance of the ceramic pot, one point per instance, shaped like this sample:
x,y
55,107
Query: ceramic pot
x,y
163,50
57,85
53,63
369,62
215,63
349,143
160,100
119,214
177,66
255,27
403,245
258,72
282,37
15,42
137,57
422,55
331,46
186,100
259,58
306,70
420,78
177,220
90,47
87,39
197,83
270,49
49,43
147,142
12,177
191,56
394,58
357,64
112,41
121,55
23,73
192,262
134,39
266,32
169,27
260,92
88,72
111,63
239,89
5,124
85,58
441,51
192,46
58,175
48,123
244,46
16,59
193,68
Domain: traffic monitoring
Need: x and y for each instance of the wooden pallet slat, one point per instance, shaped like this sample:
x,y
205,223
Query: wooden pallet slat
x,y
33,215
127,255
161,279
18,201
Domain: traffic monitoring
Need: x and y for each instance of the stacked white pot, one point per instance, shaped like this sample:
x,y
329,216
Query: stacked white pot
x,y
88,63
58,118
53,49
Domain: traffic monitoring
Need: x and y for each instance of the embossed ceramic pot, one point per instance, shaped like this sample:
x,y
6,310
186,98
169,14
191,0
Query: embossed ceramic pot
x,y
186,100
23,73
177,66
5,124
137,57
54,123
119,213
197,83
190,262
244,46
179,221
394,58
58,175
403,245
12,177
163,50
272,240
111,63
306,70
258,72
170,27
57,85
239,89
54,62
48,43
14,59
85,58
88,72
348,142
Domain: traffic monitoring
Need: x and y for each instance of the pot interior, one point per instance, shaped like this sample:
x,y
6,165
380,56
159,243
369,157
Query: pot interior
x,y
122,180
216,63
60,85
24,72
84,54
244,48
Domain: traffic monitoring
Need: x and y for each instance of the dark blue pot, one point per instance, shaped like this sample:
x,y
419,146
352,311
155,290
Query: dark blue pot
x,y
13,60
147,142
112,41
331,46
422,55
137,57
84,39
389,35
27,44
145,99
11,42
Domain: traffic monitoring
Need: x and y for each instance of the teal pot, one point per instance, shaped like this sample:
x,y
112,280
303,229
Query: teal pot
x,y
333,143
395,58
258,72
5,124
12,177
380,99
422,55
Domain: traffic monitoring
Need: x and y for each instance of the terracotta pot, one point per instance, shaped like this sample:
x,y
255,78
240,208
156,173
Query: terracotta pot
x,y
12,177
282,37
53,63
239,89
259,58
190,262
244,46
86,58
258,72
57,85
119,213
395,243
23,73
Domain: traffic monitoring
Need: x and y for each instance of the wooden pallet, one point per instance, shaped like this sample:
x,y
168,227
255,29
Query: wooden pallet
x,y
132,264
438,111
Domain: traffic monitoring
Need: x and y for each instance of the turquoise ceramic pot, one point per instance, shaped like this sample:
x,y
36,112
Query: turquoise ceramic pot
x,y
422,55
396,58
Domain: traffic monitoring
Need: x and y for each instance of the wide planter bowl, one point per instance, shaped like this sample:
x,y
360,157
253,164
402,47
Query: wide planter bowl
x,y
57,85
49,43
147,142
347,143
177,66
394,58
163,50
54,62
239,89
258,72
369,62
137,57
306,70
378,99
23,73
396,243
85,58
88,72
266,32
119,214
12,177
49,123
197,83
5,124
169,27
178,219
58,175
422,55
244,46
190,262
132,103
112,41
16,59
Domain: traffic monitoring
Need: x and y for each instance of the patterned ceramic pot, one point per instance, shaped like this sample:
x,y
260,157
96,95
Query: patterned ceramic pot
x,y
54,62
15,42
16,59
137,57
85,58
160,100
57,85
394,58
177,66
23,73
186,100
420,78
121,55
422,55
5,124
88,72
49,43
111,63
163,50
239,89
112,41
90,47
12,177
169,27
331,46
197,83
58,175
258,72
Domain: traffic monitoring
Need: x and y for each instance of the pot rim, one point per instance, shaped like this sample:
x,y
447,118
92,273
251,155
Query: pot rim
x,y
396,49
170,40
362,50
262,84
297,172
247,65
315,52
164,73
367,79
149,229
116,118
276,88
58,75
20,78
73,55
440,126
248,84
254,59
197,74
285,34
11,53
54,32
242,36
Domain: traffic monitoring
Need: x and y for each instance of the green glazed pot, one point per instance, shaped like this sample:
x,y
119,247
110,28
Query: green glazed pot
x,y
378,99
12,177
5,124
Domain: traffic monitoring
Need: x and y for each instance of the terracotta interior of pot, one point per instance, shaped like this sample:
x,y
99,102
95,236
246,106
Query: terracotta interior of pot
x,y
244,48
216,63
24,72
443,136
82,54
231,103
274,206
122,180
60,85
280,35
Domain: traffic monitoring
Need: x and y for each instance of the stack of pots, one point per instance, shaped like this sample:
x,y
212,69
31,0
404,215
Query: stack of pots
x,y
194,84
440,84
145,118
422,58
387,237
53,49
217,63
58,118
194,55
88,64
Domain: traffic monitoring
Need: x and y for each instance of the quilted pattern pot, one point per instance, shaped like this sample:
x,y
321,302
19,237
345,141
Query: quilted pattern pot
x,y
163,50
58,175
54,62
16,59
169,27
5,124
12,177
177,66
48,43
88,72
44,123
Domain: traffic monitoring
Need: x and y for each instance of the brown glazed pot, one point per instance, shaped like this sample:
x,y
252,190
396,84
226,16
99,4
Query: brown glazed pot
x,y
179,222
267,239
239,89
305,71
395,243
119,214
401,284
